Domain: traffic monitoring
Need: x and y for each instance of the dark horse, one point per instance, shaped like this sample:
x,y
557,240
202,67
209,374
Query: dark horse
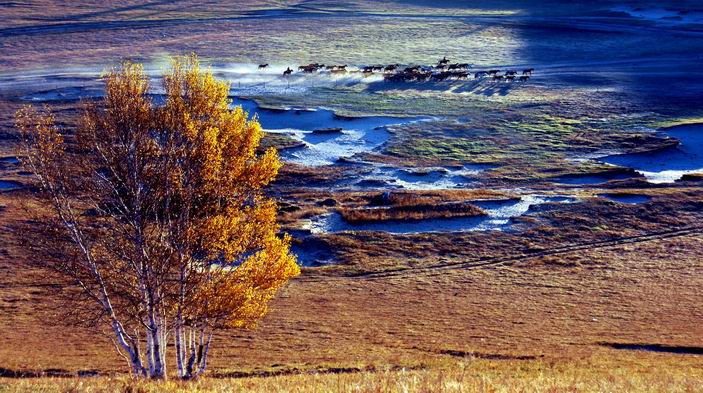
x,y
528,71
288,71
262,66
441,76
312,67
423,75
443,61
459,66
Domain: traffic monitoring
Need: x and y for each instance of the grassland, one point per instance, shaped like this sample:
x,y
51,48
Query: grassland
x,y
419,300
602,372
538,308
416,211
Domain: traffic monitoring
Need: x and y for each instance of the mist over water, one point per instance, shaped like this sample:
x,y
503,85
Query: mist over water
x,y
245,79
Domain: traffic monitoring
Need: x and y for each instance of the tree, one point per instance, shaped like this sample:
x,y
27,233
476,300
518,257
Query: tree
x,y
160,214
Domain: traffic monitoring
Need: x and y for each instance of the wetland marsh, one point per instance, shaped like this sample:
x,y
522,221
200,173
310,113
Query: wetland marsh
x,y
432,215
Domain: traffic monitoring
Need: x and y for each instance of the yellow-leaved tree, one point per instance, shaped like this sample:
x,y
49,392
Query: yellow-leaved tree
x,y
161,213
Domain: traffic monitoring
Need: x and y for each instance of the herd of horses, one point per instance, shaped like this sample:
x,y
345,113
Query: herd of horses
x,y
443,70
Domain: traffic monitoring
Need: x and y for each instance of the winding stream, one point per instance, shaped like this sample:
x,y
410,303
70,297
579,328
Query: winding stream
x,y
499,217
326,137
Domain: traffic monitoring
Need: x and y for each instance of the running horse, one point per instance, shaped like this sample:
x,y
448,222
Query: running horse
x,y
262,66
287,72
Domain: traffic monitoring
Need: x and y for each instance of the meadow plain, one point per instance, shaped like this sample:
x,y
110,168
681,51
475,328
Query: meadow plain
x,y
472,234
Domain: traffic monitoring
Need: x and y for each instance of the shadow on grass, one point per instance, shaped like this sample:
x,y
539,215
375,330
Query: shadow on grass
x,y
49,372
684,350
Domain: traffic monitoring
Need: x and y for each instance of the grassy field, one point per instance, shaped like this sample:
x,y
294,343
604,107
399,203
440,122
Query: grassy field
x,y
600,373
593,295
393,309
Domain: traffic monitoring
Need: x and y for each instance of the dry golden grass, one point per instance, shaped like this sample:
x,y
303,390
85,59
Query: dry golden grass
x,y
554,306
554,311
603,373
412,212
375,205
557,308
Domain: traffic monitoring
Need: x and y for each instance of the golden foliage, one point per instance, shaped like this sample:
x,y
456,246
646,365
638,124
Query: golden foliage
x,y
235,225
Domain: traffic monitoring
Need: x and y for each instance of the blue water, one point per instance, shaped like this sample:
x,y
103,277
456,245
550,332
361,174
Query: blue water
x,y
456,176
10,160
432,178
9,185
626,198
358,134
668,165
70,93
314,119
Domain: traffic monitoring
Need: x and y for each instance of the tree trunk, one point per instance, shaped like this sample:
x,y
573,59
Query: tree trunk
x,y
129,345
180,344
149,353
205,350
164,346
191,357
180,350
156,368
